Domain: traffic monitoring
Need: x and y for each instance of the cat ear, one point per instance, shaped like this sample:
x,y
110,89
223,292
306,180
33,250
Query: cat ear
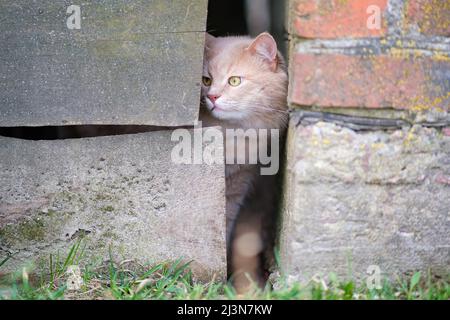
x,y
265,46
209,39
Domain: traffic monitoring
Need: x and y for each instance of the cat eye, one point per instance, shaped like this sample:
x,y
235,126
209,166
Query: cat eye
x,y
207,81
234,81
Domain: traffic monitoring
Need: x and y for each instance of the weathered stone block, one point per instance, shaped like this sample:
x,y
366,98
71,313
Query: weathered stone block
x,y
118,191
132,62
356,199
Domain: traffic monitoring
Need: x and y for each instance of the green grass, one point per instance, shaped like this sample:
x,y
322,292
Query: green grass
x,y
128,280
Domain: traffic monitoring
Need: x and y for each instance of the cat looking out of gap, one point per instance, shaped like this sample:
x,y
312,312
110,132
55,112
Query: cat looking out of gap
x,y
245,87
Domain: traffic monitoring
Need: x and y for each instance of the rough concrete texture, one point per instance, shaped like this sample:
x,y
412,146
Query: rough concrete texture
x,y
132,62
122,192
355,199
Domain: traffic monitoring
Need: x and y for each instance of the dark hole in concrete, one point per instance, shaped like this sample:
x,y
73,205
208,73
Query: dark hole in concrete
x,y
74,132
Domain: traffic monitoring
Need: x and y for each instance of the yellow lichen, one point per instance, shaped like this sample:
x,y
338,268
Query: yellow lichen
x,y
440,56
423,103
377,146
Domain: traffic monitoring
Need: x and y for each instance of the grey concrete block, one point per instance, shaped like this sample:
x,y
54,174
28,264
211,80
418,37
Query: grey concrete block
x,y
118,191
132,62
355,199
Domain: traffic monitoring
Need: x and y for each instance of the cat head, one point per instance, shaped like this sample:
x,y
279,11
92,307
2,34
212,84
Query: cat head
x,y
244,80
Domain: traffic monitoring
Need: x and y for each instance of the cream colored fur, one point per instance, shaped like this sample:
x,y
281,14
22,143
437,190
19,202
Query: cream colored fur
x,y
258,102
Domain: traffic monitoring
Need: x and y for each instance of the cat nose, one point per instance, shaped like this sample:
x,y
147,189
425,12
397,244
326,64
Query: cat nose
x,y
213,98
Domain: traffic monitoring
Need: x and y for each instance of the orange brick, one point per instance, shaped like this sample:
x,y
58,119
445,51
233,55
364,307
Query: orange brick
x,y
336,80
336,18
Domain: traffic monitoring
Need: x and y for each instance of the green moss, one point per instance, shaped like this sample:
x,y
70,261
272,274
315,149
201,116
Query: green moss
x,y
109,235
102,197
30,230
50,213
108,209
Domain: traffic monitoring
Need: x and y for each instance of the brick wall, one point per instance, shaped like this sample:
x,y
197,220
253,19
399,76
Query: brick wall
x,y
368,170
404,64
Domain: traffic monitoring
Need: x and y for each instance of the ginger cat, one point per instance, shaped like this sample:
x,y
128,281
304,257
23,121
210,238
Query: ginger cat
x,y
245,87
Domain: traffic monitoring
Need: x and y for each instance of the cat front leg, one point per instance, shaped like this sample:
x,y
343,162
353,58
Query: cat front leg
x,y
239,183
